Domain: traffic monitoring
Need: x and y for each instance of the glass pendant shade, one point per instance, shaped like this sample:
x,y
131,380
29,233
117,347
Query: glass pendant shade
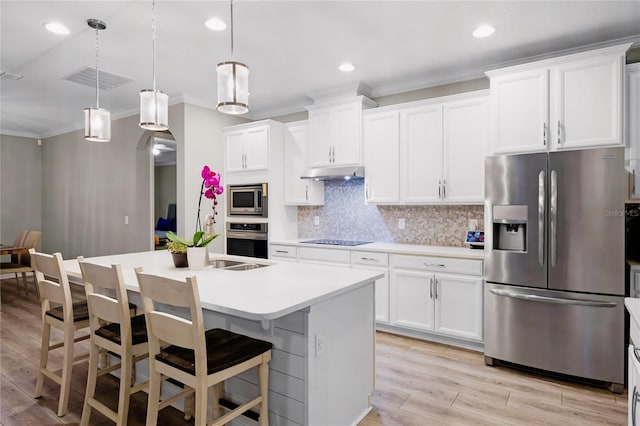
x,y
154,110
97,125
233,88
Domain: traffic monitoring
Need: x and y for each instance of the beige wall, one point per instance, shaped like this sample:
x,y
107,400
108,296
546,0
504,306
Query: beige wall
x,y
20,186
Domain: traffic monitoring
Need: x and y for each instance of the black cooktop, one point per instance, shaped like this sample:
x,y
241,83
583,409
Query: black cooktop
x,y
337,242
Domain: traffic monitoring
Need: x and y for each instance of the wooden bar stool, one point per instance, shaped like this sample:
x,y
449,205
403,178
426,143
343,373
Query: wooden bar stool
x,y
58,311
113,329
196,358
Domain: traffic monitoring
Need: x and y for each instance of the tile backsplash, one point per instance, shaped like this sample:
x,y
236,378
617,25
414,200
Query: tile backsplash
x,y
345,216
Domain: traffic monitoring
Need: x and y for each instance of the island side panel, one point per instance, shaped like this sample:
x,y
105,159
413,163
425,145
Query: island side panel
x,y
341,347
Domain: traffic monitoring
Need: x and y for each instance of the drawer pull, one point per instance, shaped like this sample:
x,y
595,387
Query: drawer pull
x,y
369,259
282,251
434,265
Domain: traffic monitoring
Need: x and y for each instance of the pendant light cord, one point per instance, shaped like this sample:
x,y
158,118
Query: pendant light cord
x,y
97,73
153,38
231,28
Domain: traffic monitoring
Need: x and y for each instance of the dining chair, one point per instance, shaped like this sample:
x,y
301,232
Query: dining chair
x,y
14,264
197,358
58,311
21,262
113,329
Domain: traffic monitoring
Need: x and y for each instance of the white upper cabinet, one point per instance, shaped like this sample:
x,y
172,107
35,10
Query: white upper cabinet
x,y
519,111
633,131
335,133
421,154
382,157
427,152
570,102
296,162
247,148
466,141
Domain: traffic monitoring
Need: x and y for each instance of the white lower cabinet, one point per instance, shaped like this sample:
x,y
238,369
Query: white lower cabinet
x,y
633,386
376,262
443,303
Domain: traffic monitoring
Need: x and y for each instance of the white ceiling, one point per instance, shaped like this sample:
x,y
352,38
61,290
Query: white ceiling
x,y
293,48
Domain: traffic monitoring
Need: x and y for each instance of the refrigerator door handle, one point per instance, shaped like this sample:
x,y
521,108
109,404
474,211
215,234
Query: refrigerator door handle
x,y
541,208
553,219
556,300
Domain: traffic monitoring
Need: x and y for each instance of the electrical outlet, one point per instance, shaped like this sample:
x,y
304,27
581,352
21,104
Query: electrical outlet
x,y
126,220
316,220
321,345
473,224
401,223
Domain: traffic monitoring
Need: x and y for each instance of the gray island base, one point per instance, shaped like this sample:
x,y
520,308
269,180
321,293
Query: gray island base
x,y
319,318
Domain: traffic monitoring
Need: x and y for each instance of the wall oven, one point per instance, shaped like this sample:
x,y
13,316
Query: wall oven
x,y
247,200
247,239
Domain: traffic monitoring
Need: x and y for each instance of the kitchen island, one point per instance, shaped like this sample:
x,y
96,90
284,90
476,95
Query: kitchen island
x,y
319,318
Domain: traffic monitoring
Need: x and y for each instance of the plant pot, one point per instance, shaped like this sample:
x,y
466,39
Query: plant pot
x,y
198,258
180,260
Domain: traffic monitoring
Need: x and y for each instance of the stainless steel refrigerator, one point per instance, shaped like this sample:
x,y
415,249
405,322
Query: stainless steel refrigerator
x,y
554,263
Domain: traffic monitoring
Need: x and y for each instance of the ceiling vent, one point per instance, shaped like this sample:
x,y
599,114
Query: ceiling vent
x,y
87,77
10,76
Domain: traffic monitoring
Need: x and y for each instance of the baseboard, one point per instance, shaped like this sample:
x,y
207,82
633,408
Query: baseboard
x,y
432,337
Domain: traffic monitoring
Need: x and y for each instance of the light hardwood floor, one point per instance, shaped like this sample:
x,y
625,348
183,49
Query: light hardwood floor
x,y
417,383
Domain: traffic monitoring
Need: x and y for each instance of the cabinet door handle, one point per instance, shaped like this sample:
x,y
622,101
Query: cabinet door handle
x,y
333,154
439,189
544,134
329,154
366,191
436,286
431,288
634,402
444,189
633,182
306,192
559,139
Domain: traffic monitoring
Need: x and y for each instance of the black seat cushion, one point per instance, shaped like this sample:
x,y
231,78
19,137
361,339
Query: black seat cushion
x,y
80,312
138,331
224,349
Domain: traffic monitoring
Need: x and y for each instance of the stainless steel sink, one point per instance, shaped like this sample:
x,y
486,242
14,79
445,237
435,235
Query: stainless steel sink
x,y
234,265
245,267
224,263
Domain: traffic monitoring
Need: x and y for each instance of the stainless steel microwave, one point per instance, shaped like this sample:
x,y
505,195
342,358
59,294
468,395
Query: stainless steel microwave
x,y
247,200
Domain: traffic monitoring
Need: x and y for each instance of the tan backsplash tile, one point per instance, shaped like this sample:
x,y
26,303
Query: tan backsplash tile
x,y
345,216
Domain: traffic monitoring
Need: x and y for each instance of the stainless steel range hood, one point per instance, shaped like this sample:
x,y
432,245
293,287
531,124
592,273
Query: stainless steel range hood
x,y
333,173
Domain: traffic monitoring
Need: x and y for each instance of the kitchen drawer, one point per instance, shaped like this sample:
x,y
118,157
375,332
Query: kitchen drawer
x,y
321,255
289,252
365,258
437,264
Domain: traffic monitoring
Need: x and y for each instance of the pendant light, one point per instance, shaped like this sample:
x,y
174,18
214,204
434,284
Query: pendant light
x,y
154,104
233,83
97,121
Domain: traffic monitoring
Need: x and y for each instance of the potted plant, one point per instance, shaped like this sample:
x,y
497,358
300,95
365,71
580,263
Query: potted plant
x,y
196,248
178,253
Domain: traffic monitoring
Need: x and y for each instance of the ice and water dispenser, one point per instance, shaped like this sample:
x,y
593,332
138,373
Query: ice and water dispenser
x,y
510,228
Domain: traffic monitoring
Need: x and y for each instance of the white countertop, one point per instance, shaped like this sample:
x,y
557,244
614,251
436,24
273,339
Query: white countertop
x,y
259,294
633,306
438,251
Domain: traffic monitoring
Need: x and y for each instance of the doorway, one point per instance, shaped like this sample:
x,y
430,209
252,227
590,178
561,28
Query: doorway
x,y
164,187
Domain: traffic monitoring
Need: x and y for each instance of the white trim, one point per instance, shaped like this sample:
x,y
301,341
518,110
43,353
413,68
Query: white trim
x,y
362,416
432,337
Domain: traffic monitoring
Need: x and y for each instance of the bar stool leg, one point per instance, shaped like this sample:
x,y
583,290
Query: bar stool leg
x,y
201,403
125,390
44,356
91,384
217,394
263,374
67,367
154,395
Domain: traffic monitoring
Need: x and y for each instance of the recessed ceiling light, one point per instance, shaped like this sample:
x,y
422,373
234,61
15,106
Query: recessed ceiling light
x,y
347,67
215,24
483,31
56,28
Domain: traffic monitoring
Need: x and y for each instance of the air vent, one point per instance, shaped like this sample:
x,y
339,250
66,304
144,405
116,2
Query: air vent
x,y
10,76
87,77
